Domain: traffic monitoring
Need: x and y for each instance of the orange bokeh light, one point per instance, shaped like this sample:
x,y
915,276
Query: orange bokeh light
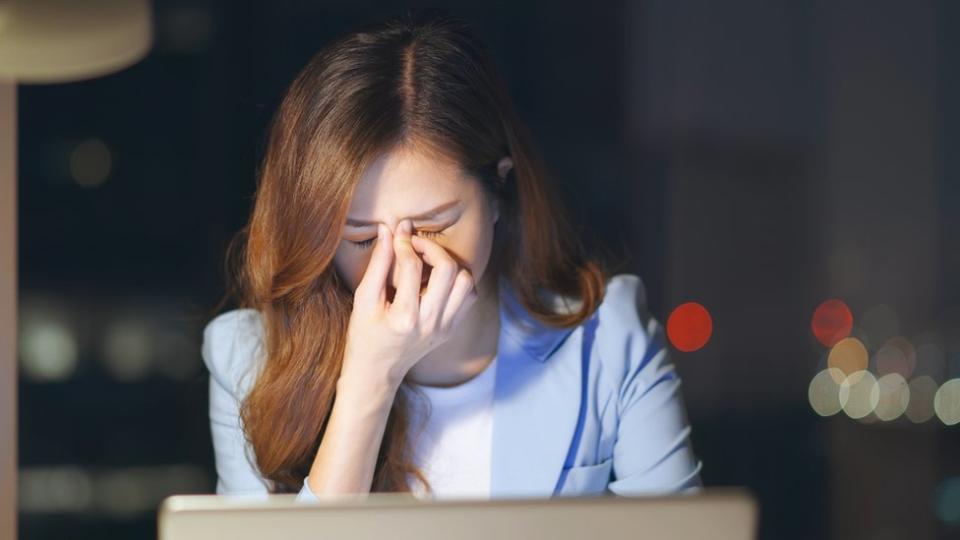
x,y
831,322
689,327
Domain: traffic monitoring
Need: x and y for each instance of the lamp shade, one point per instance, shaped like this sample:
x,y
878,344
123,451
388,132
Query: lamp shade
x,y
49,41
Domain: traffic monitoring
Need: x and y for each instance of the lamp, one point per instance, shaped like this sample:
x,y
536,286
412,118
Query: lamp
x,y
46,41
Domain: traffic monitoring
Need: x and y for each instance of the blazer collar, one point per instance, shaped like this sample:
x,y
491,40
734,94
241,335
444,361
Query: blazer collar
x,y
537,403
537,339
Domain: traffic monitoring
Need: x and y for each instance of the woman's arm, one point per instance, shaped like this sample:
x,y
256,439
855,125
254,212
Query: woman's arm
x,y
653,453
345,461
236,472
346,458
230,342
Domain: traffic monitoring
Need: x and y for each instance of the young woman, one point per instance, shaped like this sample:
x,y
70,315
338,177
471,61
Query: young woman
x,y
416,314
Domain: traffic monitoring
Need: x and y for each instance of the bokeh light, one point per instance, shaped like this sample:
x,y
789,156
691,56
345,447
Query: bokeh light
x,y
120,492
946,501
859,394
90,163
824,392
48,350
922,390
831,322
133,490
65,488
175,354
896,355
689,327
185,29
894,397
127,350
946,402
849,356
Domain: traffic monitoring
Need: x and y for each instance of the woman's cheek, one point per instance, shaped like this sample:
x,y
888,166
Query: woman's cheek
x,y
351,267
458,250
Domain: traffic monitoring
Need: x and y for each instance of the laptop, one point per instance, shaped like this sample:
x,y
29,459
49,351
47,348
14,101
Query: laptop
x,y
714,513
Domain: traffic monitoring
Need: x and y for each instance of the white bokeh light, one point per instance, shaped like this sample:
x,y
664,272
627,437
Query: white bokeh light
x,y
946,402
48,350
894,396
824,392
859,394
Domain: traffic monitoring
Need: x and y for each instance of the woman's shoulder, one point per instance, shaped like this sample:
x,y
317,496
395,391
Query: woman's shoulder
x,y
624,304
621,316
232,344
625,324
624,294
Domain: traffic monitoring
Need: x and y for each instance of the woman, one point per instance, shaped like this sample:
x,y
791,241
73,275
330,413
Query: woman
x,y
415,313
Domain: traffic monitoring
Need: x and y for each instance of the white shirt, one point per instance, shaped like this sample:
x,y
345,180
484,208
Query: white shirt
x,y
453,451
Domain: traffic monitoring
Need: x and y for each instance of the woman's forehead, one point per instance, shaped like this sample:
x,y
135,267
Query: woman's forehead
x,y
409,169
391,216
408,184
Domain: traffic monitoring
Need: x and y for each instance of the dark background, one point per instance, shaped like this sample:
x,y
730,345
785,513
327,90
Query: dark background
x,y
758,157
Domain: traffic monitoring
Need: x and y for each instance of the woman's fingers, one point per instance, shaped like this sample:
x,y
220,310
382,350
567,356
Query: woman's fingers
x,y
463,293
442,276
407,298
373,286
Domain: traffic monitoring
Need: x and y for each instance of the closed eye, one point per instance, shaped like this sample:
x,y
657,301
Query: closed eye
x,y
369,242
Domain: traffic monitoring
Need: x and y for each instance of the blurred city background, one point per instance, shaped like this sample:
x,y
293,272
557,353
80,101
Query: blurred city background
x,y
758,158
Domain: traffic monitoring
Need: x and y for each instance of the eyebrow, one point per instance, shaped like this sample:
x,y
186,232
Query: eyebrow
x,y
420,217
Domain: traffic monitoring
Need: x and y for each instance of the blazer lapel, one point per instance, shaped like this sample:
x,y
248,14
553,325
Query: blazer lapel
x,y
536,402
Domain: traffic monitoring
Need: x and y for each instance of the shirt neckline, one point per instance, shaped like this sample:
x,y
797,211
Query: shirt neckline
x,y
465,392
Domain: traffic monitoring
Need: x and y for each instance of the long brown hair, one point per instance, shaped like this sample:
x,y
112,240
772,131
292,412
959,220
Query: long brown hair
x,y
414,80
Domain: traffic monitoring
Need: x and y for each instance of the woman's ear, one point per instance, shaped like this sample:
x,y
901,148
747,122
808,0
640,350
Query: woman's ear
x,y
504,166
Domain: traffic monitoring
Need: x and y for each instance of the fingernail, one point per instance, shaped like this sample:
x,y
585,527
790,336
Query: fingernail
x,y
380,231
406,226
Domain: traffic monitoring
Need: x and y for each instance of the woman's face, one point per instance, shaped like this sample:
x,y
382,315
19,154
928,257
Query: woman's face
x,y
442,203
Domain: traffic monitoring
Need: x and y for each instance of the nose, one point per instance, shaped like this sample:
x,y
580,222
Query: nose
x,y
394,272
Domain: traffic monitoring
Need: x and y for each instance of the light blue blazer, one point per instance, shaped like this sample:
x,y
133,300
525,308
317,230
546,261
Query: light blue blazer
x,y
586,410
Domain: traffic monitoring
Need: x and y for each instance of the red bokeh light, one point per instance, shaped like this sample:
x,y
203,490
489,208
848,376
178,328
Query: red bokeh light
x,y
689,327
831,322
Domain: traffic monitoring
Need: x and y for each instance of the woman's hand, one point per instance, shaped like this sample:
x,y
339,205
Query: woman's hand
x,y
385,339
